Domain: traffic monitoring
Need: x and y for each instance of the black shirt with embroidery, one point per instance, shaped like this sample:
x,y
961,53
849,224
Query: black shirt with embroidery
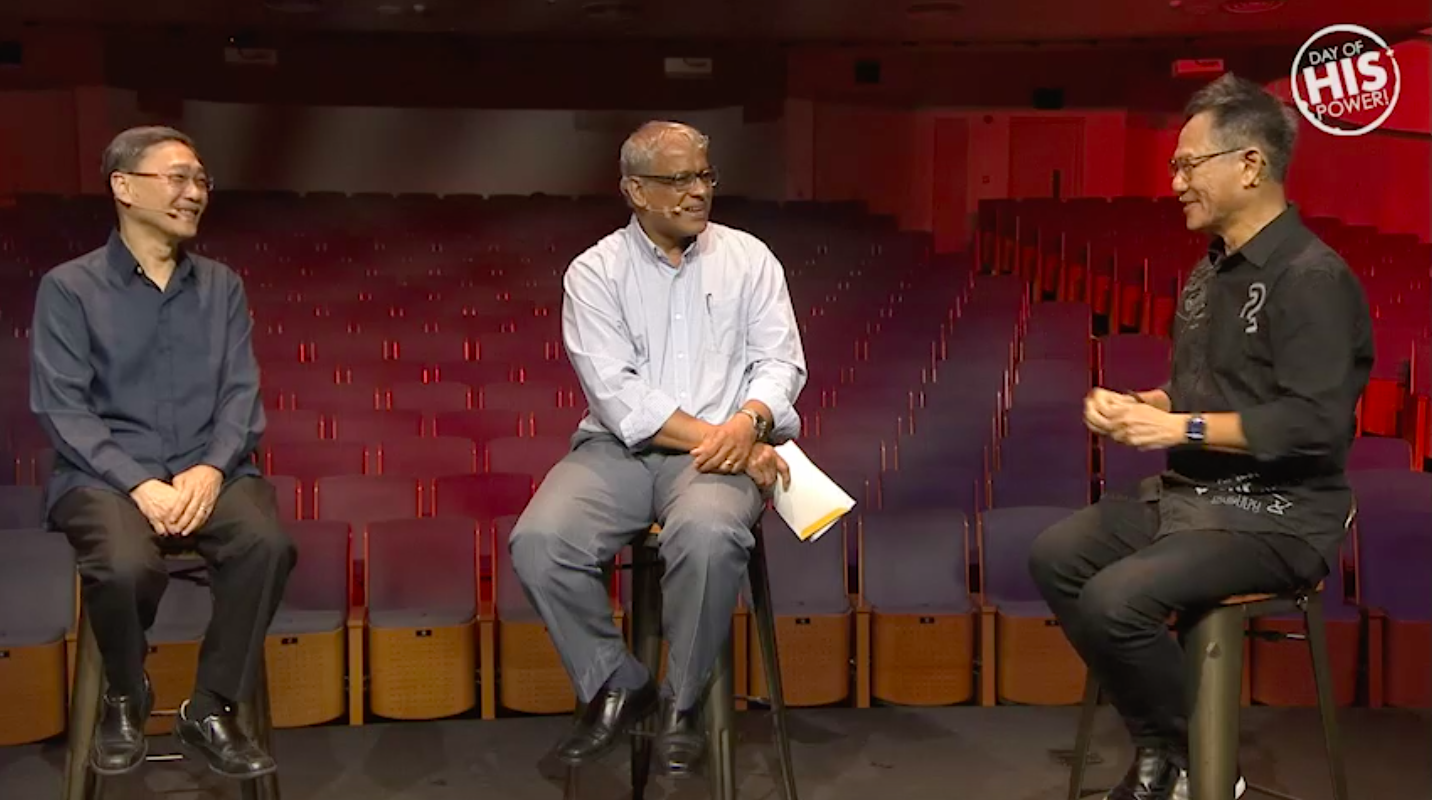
x,y
1279,332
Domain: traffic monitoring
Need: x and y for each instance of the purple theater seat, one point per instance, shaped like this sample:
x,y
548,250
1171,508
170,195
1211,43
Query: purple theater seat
x,y
1134,361
807,578
1051,382
37,587
1036,486
293,425
22,507
528,455
361,500
428,457
1006,536
916,562
316,600
1374,452
373,426
422,572
1394,540
1059,332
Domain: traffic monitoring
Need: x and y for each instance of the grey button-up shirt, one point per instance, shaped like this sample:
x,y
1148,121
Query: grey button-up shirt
x,y
648,338
133,383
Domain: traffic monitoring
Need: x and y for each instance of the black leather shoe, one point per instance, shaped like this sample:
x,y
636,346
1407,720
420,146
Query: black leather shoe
x,y
681,741
218,740
1180,789
609,715
1152,776
119,741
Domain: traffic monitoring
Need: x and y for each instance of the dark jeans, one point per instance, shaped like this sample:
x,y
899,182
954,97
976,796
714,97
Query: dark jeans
x,y
123,578
1113,583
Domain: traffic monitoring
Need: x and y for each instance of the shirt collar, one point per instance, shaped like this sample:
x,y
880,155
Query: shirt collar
x,y
638,233
126,266
1260,249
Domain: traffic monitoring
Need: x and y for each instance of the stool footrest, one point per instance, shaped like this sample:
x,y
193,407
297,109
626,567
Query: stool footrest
x,y
165,757
762,701
1254,788
1278,636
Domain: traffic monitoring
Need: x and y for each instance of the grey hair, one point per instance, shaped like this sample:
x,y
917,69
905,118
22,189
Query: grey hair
x,y
1243,112
640,148
127,149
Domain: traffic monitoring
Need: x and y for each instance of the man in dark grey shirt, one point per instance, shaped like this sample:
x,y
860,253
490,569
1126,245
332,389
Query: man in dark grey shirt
x,y
144,378
1272,349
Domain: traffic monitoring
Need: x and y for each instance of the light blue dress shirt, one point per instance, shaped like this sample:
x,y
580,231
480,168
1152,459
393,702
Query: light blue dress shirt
x,y
648,338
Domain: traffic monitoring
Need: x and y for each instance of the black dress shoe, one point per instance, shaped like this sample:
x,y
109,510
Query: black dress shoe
x,y
218,740
681,742
610,714
1152,776
119,741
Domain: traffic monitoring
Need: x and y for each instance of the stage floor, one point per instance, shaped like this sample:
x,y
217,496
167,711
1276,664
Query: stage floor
x,y
840,754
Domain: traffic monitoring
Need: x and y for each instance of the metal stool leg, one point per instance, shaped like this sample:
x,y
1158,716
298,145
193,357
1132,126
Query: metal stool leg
x,y
81,783
255,717
766,631
1327,706
1215,662
1084,738
646,639
720,728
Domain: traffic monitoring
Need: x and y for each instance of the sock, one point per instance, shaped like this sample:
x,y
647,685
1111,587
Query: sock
x,y
631,675
205,703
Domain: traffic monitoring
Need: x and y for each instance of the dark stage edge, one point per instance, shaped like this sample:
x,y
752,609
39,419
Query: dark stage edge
x,y
1006,753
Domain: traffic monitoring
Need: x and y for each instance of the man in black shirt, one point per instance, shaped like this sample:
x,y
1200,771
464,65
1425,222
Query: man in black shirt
x,y
143,376
1272,348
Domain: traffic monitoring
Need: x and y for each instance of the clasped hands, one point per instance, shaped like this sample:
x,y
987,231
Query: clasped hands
x,y
1130,421
180,508
731,449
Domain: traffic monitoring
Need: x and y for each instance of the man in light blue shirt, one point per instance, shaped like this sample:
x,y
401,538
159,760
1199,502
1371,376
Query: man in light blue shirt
x,y
683,336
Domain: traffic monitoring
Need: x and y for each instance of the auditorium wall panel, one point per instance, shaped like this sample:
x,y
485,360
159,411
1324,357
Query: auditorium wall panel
x,y
38,142
443,151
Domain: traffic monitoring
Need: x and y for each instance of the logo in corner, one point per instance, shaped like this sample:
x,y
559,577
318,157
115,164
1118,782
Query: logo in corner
x,y
1345,80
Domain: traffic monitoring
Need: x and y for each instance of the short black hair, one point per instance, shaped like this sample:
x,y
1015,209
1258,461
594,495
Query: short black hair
x,y
1244,112
127,149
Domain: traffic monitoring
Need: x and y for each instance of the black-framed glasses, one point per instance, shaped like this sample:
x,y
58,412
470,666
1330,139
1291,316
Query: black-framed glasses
x,y
1187,164
178,180
683,181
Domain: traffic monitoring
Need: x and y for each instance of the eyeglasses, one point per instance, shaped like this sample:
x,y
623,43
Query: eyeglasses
x,y
683,181
1187,164
178,180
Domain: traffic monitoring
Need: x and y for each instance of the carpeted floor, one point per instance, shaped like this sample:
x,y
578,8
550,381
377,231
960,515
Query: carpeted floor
x,y
840,754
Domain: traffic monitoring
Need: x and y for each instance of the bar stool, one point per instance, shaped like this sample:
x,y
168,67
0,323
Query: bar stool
x,y
82,782
646,571
1213,648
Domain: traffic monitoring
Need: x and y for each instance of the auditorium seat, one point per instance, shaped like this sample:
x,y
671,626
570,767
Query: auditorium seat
x,y
422,607
1025,657
916,603
532,679
22,507
308,647
810,599
37,606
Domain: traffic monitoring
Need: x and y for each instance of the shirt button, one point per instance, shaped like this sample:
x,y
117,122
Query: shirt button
x,y
678,316
681,355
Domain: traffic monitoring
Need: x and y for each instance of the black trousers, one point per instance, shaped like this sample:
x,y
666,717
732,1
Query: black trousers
x,y
1113,582
123,577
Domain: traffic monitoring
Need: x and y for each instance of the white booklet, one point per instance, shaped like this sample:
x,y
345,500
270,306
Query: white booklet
x,y
814,503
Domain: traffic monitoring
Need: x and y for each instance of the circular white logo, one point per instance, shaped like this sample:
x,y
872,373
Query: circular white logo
x,y
1345,80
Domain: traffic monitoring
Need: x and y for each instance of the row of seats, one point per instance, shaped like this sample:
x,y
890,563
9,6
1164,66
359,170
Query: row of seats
x,y
931,384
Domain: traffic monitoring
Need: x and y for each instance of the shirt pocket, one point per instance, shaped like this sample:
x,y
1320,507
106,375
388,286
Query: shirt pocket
x,y
725,331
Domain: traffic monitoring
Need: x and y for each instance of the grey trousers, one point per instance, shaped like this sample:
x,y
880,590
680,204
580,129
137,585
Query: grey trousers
x,y
600,498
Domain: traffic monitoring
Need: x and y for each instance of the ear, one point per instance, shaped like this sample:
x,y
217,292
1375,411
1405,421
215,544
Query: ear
x,y
1254,167
635,192
119,186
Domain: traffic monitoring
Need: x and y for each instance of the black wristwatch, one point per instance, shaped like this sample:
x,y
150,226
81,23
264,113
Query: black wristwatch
x,y
1197,430
763,428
